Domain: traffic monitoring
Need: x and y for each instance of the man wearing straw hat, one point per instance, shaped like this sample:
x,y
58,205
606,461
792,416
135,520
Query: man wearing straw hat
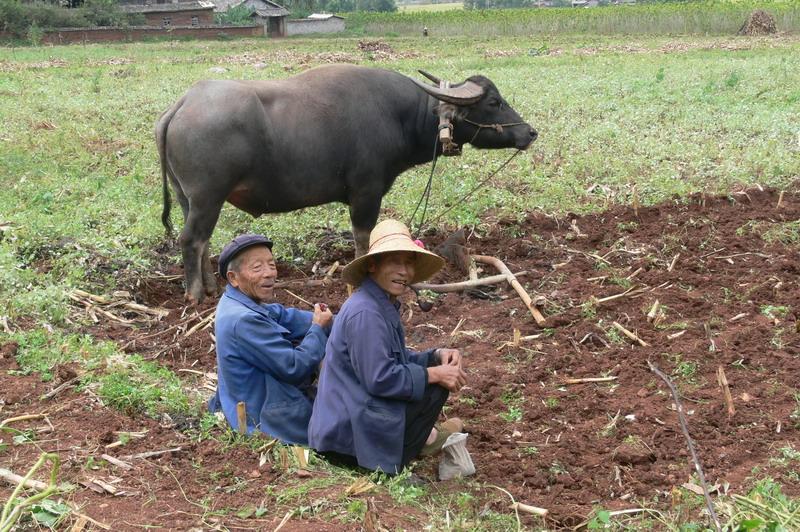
x,y
267,354
377,401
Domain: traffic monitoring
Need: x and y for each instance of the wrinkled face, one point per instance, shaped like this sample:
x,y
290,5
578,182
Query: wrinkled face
x,y
489,110
253,272
393,271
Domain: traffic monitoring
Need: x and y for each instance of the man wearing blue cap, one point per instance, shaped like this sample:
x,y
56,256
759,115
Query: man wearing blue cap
x,y
267,354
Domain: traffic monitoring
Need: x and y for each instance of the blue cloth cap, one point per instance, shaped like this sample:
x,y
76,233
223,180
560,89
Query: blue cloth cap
x,y
236,246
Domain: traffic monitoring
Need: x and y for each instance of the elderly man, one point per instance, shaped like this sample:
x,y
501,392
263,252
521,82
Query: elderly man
x,y
267,354
378,401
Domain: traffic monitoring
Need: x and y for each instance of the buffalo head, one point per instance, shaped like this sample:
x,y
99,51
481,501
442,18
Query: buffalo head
x,y
480,114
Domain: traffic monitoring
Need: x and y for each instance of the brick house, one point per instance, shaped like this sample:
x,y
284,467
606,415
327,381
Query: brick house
x,y
269,14
167,15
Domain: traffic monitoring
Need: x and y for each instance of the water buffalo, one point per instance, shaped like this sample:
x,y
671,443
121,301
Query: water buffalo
x,y
334,133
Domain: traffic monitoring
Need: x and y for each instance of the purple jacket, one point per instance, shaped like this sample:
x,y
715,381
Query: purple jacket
x,y
367,380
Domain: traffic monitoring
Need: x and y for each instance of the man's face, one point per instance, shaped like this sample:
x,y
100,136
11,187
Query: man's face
x,y
393,271
256,273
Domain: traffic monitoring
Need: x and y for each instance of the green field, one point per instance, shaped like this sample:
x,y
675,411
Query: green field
x,y
671,115
410,8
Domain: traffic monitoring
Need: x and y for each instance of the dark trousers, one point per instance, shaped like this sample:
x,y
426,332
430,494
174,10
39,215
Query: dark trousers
x,y
420,417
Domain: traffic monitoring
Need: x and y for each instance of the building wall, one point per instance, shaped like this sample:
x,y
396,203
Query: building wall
x,y
138,33
200,17
305,26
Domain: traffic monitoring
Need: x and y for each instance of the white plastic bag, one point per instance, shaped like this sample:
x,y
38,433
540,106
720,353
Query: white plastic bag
x,y
455,461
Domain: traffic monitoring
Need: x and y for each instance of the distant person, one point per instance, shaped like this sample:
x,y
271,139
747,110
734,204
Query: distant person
x,y
267,354
425,31
378,401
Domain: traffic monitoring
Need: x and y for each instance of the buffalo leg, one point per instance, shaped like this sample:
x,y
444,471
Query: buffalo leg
x,y
209,279
363,216
194,244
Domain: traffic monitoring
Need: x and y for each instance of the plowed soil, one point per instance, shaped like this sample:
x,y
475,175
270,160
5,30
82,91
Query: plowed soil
x,y
727,296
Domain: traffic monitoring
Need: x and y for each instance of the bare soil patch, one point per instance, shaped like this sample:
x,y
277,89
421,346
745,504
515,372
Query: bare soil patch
x,y
728,298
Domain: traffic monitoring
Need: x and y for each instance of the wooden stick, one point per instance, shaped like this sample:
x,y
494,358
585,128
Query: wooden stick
x,y
158,312
307,302
780,200
12,478
674,261
516,341
654,310
634,274
116,461
690,444
304,282
331,270
150,454
83,516
528,509
726,391
97,299
60,388
285,520
629,334
241,417
615,296
79,525
512,280
26,417
738,317
676,335
199,325
463,285
588,379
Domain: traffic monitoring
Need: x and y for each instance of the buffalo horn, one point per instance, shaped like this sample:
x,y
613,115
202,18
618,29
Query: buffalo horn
x,y
430,77
465,93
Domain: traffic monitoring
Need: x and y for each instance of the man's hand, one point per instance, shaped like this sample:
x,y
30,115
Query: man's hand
x,y
447,376
322,315
450,357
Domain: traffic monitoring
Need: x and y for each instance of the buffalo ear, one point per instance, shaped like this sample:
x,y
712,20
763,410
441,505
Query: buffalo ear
x,y
465,93
446,110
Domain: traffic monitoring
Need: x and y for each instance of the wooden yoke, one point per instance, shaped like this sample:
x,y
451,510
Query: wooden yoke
x,y
446,113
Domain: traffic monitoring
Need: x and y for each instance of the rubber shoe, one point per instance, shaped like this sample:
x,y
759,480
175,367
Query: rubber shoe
x,y
444,431
452,425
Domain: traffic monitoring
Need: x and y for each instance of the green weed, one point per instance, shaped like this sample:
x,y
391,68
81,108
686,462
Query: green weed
x,y
774,311
138,386
513,415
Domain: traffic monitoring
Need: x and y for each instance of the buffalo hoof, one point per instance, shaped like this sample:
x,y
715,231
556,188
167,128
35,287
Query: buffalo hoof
x,y
192,300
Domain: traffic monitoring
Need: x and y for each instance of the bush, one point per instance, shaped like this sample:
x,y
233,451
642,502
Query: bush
x,y
103,13
30,20
17,18
235,16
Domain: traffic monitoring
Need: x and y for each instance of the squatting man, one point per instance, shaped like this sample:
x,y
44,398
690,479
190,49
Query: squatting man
x,y
378,401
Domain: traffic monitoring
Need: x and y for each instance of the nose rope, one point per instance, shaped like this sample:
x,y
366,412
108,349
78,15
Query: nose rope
x,y
496,127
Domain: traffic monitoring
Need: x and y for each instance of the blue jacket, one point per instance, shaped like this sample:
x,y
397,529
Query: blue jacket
x,y
367,380
258,363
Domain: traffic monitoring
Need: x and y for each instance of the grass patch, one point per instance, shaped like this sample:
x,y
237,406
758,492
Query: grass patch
x,y
699,18
134,385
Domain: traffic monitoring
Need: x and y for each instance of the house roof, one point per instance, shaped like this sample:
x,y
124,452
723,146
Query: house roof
x,y
197,5
272,9
267,13
323,16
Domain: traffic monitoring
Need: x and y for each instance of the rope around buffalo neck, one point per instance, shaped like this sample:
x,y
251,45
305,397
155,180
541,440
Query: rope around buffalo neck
x,y
427,192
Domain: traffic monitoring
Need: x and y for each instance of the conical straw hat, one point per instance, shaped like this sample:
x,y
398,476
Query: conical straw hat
x,y
388,236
